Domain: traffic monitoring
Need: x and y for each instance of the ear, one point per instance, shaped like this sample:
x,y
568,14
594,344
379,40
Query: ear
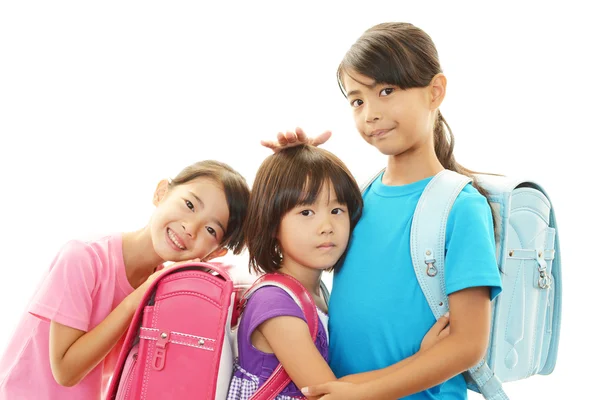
x,y
161,191
216,254
437,90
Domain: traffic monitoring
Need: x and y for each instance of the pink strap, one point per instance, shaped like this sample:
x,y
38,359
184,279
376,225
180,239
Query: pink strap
x,y
279,379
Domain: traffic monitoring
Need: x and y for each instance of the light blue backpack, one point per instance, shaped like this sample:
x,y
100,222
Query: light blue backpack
x,y
526,315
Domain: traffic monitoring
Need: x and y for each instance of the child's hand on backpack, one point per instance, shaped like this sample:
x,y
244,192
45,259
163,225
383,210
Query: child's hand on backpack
x,y
296,138
159,271
438,331
138,293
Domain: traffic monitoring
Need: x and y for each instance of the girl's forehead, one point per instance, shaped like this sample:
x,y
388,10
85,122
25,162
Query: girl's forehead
x,y
202,182
353,80
326,192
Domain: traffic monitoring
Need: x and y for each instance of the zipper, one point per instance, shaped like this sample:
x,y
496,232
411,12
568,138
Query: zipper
x,y
126,382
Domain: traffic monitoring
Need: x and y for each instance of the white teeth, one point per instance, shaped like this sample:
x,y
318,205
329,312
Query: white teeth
x,y
174,239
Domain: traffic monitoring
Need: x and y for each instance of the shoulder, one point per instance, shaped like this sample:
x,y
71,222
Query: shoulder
x,y
269,302
88,256
471,214
272,297
77,251
470,202
470,196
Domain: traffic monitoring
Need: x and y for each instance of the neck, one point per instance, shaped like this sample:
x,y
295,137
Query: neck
x,y
411,166
310,278
140,258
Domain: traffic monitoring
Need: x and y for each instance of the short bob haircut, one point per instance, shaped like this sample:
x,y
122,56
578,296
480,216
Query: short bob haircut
x,y
286,179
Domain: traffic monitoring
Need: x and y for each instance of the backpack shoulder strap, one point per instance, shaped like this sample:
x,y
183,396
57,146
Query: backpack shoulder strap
x,y
324,292
279,379
365,186
428,236
427,246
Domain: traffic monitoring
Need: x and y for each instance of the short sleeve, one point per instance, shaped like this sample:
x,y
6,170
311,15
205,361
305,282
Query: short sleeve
x,y
66,293
470,245
270,302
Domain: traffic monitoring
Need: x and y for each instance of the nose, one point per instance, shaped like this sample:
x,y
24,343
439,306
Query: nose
x,y
372,113
326,226
189,229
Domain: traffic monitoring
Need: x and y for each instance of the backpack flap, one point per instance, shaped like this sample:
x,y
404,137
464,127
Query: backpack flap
x,y
526,321
167,343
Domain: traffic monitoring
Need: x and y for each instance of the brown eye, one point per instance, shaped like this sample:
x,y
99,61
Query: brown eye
x,y
386,91
189,205
356,103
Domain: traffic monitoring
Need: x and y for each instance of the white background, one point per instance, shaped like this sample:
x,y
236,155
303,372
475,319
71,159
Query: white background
x,y
99,101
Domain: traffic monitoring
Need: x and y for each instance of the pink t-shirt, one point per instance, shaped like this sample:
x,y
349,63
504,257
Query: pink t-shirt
x,y
86,281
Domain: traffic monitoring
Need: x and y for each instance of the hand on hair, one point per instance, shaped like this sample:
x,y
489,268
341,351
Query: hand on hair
x,y
296,138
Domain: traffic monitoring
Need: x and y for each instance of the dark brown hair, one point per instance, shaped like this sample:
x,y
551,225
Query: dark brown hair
x,y
237,194
400,54
285,180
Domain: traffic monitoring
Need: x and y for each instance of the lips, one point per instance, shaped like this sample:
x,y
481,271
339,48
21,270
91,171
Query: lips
x,y
379,132
326,246
175,240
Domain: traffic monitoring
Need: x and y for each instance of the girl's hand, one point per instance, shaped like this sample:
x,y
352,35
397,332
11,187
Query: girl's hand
x,y
439,331
159,271
336,391
136,297
296,138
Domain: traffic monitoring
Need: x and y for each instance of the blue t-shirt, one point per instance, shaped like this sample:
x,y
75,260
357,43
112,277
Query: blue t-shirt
x,y
378,313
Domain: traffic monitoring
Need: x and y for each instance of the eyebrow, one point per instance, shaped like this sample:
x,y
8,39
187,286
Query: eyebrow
x,y
357,91
216,221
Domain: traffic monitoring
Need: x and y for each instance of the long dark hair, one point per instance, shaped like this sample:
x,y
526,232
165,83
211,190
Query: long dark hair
x,y
400,54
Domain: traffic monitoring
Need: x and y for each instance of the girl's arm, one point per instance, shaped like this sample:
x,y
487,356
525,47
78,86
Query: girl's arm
x,y
440,330
465,346
290,340
74,353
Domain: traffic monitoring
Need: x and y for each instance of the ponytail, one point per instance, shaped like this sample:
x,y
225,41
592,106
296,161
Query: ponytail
x,y
443,142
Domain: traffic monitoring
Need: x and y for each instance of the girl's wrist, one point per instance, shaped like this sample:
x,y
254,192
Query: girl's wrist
x,y
134,299
368,391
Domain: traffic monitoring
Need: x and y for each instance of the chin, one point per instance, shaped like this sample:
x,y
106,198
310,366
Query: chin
x,y
390,149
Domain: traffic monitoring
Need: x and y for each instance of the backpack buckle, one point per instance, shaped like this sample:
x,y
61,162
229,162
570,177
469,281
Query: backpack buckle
x,y
430,261
160,352
431,269
544,280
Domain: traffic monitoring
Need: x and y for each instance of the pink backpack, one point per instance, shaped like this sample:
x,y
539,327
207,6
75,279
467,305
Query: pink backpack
x,y
181,343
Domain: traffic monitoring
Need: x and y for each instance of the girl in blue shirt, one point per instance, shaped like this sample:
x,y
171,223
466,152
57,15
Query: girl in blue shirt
x,y
393,82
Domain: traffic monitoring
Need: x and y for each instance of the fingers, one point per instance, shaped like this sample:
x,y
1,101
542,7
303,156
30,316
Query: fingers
x,y
282,139
317,390
291,137
301,135
294,138
322,138
175,264
441,324
269,144
444,333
